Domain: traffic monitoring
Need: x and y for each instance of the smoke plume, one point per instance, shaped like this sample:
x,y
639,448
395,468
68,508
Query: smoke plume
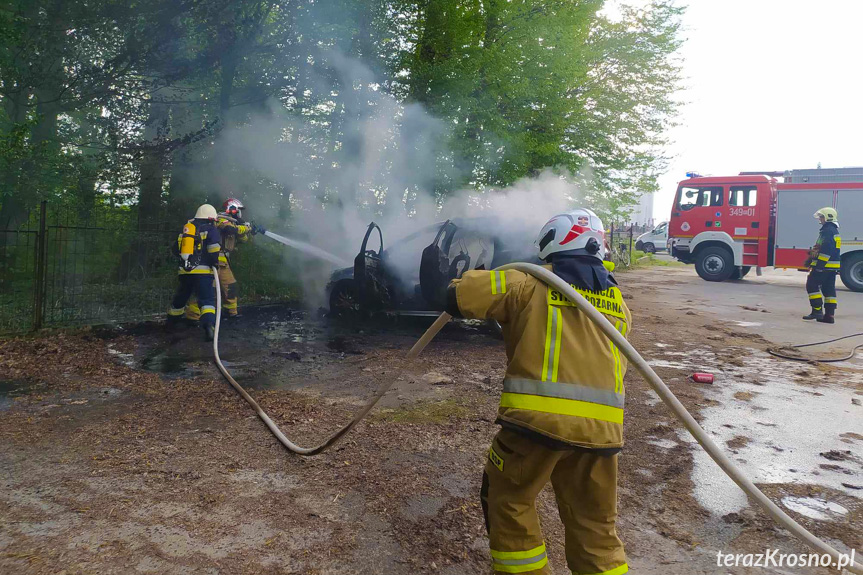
x,y
361,156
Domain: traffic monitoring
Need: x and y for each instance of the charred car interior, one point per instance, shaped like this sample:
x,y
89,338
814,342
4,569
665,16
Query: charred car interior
x,y
410,278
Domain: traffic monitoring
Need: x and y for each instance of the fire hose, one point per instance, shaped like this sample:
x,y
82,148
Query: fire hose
x,y
851,355
670,400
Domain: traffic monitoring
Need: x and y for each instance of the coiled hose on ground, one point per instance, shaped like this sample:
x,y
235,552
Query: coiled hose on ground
x,y
631,354
850,355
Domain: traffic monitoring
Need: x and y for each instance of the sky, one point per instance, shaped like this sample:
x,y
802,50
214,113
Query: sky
x,y
769,85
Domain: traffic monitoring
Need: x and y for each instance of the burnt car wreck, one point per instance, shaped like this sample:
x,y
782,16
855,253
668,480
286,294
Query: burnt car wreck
x,y
410,278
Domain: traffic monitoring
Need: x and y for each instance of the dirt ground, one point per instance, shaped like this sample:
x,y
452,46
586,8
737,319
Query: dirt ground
x,y
123,451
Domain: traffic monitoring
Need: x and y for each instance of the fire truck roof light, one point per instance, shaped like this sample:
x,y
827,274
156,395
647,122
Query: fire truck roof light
x,y
693,175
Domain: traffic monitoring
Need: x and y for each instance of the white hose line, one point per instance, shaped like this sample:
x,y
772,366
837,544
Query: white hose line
x,y
680,411
631,354
382,390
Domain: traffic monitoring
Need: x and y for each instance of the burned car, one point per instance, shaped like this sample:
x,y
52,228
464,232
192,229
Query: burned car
x,y
410,278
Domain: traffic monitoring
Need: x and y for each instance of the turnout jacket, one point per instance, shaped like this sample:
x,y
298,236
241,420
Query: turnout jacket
x,y
564,377
828,248
232,229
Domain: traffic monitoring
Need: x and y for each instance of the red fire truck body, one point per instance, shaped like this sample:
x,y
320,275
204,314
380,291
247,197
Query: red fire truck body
x,y
728,225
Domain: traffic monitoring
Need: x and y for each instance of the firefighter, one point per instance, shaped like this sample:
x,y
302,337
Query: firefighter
x,y
199,252
232,228
824,265
561,411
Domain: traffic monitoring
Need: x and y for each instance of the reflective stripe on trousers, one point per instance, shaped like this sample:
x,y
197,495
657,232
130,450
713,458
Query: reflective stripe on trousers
x,y
520,561
616,571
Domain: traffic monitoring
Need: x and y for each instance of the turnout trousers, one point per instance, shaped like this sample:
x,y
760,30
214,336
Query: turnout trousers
x,y
821,287
228,284
202,288
585,486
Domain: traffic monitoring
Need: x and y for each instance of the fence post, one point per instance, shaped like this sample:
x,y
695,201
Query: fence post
x,y
41,264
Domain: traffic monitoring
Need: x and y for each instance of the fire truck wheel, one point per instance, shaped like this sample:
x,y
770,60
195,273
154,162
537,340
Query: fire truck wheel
x,y
851,271
714,264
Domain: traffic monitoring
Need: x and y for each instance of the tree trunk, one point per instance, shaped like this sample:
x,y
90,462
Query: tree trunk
x,y
152,165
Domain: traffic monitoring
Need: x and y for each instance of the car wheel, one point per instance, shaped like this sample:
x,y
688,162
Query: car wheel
x,y
740,272
851,271
639,245
344,300
649,248
714,264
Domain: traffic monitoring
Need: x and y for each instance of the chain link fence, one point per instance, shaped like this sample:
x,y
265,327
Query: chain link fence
x,y
59,267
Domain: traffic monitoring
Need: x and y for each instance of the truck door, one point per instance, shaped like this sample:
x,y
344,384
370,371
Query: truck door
x,y
743,223
696,210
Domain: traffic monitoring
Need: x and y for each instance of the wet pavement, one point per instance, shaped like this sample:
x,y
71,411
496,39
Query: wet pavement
x,y
783,422
770,305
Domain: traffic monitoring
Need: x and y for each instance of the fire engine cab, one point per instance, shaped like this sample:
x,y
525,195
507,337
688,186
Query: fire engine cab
x,y
728,225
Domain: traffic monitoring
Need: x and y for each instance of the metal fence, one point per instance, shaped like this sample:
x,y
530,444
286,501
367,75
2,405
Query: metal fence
x,y
61,268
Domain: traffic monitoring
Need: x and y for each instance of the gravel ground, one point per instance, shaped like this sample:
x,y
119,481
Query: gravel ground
x,y
123,451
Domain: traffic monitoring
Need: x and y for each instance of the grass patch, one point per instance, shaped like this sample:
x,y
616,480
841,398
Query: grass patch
x,y
641,259
437,412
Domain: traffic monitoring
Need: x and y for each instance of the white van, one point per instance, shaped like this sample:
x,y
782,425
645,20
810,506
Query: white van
x,y
652,241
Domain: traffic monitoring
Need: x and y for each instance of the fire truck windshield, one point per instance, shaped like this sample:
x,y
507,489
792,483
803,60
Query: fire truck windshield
x,y
690,197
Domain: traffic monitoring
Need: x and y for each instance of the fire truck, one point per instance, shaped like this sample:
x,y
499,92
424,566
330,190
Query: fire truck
x,y
726,226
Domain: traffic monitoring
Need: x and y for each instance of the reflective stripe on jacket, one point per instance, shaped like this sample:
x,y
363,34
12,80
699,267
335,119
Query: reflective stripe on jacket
x,y
829,246
564,377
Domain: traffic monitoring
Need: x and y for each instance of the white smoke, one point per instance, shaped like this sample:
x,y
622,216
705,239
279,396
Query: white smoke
x,y
382,168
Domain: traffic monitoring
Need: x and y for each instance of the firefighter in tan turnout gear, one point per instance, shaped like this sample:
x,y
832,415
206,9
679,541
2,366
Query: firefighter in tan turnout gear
x,y
233,229
561,410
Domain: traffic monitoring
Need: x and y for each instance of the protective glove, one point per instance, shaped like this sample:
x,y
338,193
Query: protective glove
x,y
258,230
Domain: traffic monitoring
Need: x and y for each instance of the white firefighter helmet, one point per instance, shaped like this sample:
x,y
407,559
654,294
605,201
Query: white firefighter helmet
x,y
233,207
579,232
206,212
829,214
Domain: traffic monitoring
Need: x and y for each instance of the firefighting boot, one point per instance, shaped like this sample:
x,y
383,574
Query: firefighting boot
x,y
209,332
816,314
828,318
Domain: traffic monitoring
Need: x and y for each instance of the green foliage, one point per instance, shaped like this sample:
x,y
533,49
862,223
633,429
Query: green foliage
x,y
124,99
139,111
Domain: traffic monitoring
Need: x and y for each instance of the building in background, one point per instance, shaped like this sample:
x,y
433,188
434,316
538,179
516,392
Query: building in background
x,y
642,213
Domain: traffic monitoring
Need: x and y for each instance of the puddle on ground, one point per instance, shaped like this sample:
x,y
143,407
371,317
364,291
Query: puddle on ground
x,y
10,389
748,323
652,398
812,508
294,330
127,359
789,427
663,443
172,363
